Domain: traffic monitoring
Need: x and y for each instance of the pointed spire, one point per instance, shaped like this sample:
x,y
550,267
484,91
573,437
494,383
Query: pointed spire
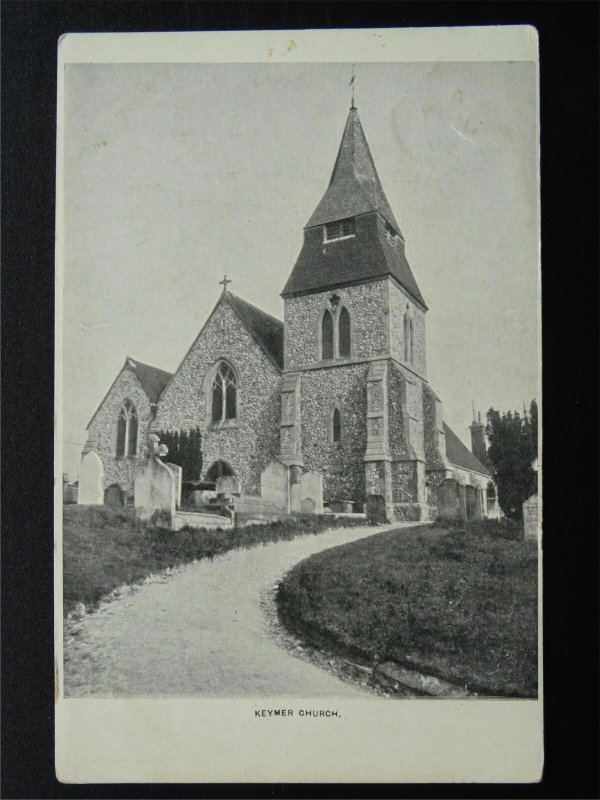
x,y
354,187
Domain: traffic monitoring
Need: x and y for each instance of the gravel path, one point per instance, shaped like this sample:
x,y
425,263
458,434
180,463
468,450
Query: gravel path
x,y
202,631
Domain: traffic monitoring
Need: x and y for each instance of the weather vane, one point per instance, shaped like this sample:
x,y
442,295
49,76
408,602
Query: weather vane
x,y
352,85
224,282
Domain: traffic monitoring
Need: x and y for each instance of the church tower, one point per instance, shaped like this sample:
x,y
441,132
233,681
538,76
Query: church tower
x,y
356,405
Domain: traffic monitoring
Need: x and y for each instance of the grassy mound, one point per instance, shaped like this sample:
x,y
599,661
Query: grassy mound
x,y
105,548
452,602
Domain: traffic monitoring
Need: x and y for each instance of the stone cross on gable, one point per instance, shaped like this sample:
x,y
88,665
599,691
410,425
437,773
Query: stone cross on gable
x,y
224,282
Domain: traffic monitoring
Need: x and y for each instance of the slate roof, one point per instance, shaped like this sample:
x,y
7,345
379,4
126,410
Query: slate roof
x,y
365,256
153,380
267,330
460,455
354,187
354,191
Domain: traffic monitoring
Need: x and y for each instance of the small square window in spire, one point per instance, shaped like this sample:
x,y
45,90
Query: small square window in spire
x,y
341,229
391,235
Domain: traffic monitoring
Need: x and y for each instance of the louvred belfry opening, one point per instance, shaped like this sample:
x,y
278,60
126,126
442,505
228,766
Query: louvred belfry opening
x,y
352,235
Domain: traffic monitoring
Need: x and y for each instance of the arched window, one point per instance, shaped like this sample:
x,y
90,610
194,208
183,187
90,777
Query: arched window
x,y
344,333
336,426
224,394
411,342
327,336
127,430
406,338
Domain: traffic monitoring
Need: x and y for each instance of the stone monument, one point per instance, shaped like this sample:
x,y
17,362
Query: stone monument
x,y
155,484
308,494
531,517
91,481
274,485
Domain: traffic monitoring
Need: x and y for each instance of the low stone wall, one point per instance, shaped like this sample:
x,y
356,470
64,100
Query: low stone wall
x,y
192,519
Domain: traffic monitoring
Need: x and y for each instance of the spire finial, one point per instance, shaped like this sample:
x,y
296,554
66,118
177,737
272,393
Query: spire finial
x,y
224,283
352,85
473,404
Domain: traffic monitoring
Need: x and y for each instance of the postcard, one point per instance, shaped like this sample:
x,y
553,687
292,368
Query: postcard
x,y
298,372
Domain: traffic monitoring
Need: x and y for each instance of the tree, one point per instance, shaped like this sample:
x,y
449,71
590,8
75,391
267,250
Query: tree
x,y
185,450
513,449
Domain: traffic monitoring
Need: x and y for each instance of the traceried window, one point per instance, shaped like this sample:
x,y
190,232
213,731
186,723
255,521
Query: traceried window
x,y
127,430
344,333
336,426
224,394
341,229
327,336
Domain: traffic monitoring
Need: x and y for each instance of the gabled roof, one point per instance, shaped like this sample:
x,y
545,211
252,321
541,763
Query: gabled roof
x,y
267,330
460,455
152,380
354,187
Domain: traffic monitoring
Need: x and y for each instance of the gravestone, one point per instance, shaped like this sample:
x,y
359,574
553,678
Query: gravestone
x,y
114,496
196,498
176,471
530,517
376,509
228,485
155,485
447,499
69,493
308,506
91,481
308,487
274,485
473,503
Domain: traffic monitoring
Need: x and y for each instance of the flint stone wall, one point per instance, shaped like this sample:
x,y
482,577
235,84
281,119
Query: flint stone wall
x,y
254,440
398,302
367,305
342,465
103,429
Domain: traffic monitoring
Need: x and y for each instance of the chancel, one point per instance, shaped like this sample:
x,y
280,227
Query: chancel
x,y
339,389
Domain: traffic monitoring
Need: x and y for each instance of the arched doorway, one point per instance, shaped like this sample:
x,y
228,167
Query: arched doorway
x,y
220,469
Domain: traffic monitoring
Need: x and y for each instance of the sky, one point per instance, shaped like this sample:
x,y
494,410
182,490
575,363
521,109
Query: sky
x,y
175,174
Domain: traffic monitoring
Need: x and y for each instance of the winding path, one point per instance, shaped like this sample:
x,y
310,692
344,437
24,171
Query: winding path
x,y
202,631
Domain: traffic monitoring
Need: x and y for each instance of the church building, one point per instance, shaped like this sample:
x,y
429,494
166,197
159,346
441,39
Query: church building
x,y
340,387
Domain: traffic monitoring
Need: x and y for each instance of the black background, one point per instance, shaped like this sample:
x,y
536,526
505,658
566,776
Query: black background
x,y
569,122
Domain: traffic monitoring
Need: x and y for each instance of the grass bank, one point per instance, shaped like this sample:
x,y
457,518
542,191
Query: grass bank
x,y
104,548
455,603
